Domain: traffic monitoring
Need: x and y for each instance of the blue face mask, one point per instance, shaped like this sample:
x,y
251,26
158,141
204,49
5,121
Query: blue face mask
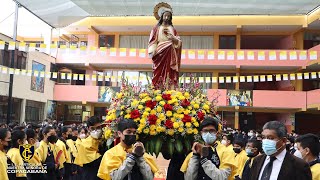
x,y
249,152
209,138
269,146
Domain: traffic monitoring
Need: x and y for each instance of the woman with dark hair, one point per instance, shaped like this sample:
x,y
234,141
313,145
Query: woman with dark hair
x,y
5,141
18,138
49,153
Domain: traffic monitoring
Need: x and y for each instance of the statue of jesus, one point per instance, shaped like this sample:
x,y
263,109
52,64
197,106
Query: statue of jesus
x,y
164,48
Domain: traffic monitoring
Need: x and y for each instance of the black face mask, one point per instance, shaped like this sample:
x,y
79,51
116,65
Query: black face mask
x,y
69,136
237,150
288,146
74,138
129,139
52,139
9,145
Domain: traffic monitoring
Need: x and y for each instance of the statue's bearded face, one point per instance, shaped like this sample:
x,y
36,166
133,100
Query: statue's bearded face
x,y
167,17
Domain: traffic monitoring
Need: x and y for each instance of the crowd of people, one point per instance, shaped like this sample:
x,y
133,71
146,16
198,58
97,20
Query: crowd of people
x,y
76,152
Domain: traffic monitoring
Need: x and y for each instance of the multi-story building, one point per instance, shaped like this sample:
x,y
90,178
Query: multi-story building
x,y
273,58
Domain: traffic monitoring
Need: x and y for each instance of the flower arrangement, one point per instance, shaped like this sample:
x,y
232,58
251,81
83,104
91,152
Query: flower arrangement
x,y
168,120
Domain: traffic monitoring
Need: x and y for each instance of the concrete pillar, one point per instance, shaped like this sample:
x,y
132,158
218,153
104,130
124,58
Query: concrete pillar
x,y
215,85
47,39
23,111
93,40
236,120
216,41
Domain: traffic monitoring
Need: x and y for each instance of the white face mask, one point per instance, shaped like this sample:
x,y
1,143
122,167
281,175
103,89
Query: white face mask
x,y
224,142
82,136
298,154
96,134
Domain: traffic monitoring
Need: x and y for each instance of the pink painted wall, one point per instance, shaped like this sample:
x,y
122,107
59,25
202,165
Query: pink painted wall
x,y
75,93
279,99
220,93
91,40
285,43
313,97
97,59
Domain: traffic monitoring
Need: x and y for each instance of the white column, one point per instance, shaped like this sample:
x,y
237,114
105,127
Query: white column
x,y
23,111
48,38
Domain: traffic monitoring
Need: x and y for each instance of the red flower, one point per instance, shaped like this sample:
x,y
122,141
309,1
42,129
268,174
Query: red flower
x,y
152,119
186,118
168,107
135,114
200,115
151,104
166,96
185,103
169,124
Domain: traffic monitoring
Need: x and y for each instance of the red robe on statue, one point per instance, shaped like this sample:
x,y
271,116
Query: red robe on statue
x,y
166,57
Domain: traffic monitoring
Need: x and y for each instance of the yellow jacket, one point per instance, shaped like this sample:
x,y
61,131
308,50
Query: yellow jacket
x,y
315,171
72,151
42,152
65,153
115,157
3,166
240,161
88,149
226,160
15,157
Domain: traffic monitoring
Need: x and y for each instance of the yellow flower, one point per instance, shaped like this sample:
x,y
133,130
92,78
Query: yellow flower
x,y
170,101
181,98
189,107
159,109
143,100
140,107
136,119
162,103
205,107
121,113
148,109
153,127
162,117
180,110
119,95
188,124
157,92
176,125
139,130
189,131
180,129
158,121
163,129
145,114
176,104
153,112
127,116
122,107
186,112
181,116
107,134
134,103
181,124
141,126
153,132
192,102
158,98
159,129
171,132
128,111
187,95
196,106
196,124
169,113
146,130
193,112
195,131
173,119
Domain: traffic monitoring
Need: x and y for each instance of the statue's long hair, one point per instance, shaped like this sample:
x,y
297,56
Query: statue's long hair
x,y
161,19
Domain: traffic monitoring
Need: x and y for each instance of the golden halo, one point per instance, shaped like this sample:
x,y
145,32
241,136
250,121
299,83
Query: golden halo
x,y
159,6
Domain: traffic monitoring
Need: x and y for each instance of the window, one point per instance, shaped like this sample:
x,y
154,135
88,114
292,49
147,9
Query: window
x,y
106,78
20,60
106,41
16,106
139,42
204,78
227,42
34,111
197,42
